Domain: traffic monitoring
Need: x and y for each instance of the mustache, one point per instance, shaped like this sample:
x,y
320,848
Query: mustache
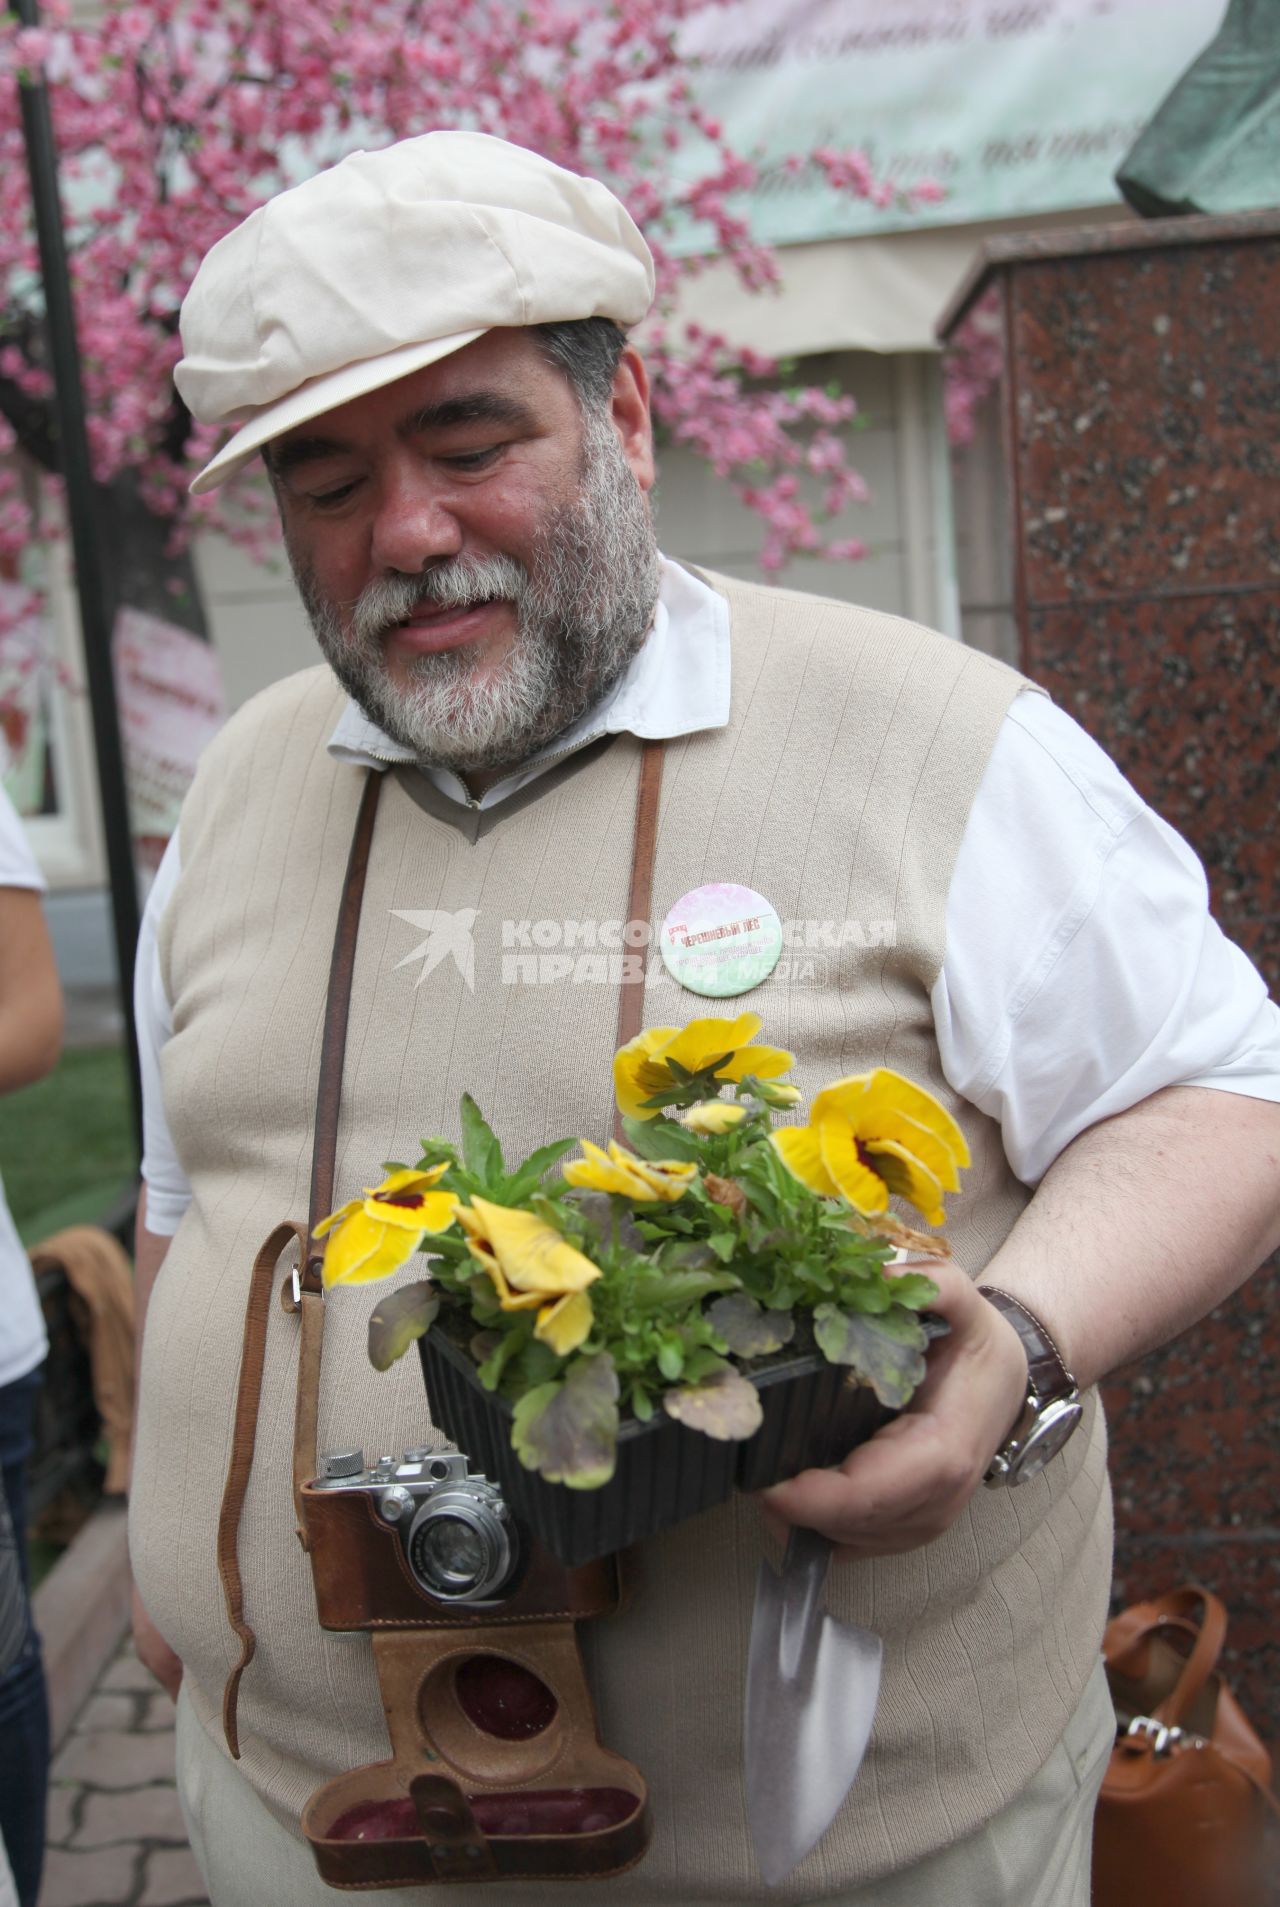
x,y
460,583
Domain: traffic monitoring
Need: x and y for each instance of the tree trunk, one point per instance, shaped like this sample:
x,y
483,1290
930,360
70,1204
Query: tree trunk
x,y
142,573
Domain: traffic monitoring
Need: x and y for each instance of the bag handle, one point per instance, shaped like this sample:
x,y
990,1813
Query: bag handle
x,y
1190,1609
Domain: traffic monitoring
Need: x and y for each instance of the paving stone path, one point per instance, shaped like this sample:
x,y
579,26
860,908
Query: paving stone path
x,y
116,1837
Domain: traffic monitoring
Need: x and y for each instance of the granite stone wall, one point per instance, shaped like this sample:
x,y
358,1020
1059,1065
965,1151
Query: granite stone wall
x,y
1137,422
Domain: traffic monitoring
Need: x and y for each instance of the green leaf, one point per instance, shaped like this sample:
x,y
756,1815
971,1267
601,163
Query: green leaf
x,y
531,1173
537,1363
749,1330
641,1404
887,1352
662,1224
509,1345
913,1289
724,1245
449,1248
700,1365
651,1293
481,1153
596,1210
660,1139
568,1431
398,1320
435,1152
723,1405
671,1359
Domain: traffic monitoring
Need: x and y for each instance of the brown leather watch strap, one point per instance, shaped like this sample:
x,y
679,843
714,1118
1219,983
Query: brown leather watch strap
x,y
1047,1372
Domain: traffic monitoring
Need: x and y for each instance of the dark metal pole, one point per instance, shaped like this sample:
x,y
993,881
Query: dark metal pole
x,y
91,584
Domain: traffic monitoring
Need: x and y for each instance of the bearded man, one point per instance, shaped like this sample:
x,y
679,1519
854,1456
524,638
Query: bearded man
x,y
427,346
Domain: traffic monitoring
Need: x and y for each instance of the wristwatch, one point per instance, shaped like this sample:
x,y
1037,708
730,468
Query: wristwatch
x,y
1052,1408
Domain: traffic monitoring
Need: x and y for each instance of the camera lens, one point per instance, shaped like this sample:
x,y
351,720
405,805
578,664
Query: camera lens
x,y
452,1552
459,1546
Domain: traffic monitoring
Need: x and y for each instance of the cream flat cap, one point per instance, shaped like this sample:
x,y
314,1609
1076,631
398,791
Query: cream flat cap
x,y
385,263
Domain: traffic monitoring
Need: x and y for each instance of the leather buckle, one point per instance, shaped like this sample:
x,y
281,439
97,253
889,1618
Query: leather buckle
x,y
459,1851
1163,1737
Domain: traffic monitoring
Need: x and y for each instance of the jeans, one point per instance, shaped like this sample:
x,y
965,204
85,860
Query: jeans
x,y
24,1711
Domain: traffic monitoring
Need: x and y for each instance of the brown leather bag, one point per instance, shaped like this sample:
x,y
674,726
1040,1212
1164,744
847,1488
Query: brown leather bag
x,y
1182,1815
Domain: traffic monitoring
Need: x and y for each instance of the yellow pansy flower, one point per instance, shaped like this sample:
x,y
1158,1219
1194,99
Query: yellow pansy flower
x,y
873,1136
713,1118
618,1170
373,1236
566,1324
643,1067
532,1268
528,1259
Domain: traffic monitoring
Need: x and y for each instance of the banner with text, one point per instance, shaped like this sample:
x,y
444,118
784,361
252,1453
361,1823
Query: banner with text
x,y
1013,107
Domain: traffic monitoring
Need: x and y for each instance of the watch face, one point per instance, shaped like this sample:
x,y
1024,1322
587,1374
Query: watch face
x,y
1051,1430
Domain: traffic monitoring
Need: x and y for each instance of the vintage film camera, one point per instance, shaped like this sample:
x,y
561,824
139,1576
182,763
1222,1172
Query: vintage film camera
x,y
497,1770
457,1535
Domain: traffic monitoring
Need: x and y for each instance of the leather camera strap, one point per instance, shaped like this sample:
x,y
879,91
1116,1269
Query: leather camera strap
x,y
303,1288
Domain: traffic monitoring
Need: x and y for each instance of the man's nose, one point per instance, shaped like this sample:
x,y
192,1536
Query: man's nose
x,y
413,525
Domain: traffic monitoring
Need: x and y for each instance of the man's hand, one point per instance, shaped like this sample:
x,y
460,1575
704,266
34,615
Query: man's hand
x,y
910,1482
154,1652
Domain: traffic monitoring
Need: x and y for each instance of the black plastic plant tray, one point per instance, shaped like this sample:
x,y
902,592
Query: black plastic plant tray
x,y
664,1473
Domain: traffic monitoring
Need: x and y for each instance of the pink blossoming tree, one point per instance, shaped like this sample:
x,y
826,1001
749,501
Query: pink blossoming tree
x,y
176,118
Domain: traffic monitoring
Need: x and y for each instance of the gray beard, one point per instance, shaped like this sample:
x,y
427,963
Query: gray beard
x,y
583,608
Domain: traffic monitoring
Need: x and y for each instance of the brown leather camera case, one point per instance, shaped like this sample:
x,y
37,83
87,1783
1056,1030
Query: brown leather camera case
x,y
448,1771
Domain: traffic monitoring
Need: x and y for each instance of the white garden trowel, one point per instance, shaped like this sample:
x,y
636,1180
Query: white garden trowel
x,y
812,1684
812,1681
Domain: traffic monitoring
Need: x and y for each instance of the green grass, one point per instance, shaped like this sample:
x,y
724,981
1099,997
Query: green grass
x,y
66,1143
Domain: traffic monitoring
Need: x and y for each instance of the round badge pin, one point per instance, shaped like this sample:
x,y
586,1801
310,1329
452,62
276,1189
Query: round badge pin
x,y
720,940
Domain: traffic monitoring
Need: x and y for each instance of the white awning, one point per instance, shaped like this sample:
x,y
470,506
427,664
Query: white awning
x,y
857,294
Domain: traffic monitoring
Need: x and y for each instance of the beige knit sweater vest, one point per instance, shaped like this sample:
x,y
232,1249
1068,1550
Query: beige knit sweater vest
x,y
839,790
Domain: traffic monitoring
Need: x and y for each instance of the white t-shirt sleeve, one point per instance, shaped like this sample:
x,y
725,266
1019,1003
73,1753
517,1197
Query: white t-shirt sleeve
x,y
18,866
168,1188
1083,970
23,1343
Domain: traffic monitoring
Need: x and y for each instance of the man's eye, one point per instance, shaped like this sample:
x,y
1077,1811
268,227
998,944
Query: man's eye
x,y
330,499
473,459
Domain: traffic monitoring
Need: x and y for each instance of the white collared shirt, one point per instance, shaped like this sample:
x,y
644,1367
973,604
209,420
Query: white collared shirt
x,y
1072,906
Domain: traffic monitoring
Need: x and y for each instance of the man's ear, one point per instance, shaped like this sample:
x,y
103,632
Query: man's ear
x,y
629,408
